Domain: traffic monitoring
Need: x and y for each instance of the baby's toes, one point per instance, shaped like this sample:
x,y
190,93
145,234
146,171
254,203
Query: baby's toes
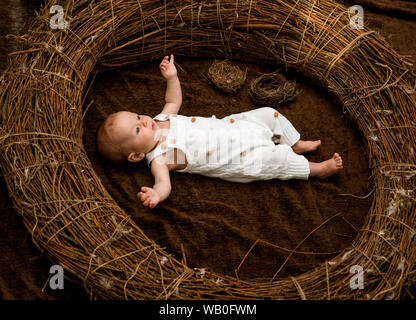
x,y
338,160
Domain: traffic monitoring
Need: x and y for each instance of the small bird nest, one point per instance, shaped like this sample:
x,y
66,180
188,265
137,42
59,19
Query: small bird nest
x,y
72,218
272,89
226,76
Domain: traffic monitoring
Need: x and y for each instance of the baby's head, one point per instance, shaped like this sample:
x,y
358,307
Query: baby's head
x,y
126,135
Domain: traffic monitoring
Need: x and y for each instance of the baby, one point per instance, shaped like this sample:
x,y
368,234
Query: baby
x,y
240,147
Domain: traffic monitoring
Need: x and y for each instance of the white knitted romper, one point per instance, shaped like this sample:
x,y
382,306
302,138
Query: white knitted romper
x,y
239,148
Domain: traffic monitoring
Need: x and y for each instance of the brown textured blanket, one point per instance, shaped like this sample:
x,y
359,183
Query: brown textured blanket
x,y
215,222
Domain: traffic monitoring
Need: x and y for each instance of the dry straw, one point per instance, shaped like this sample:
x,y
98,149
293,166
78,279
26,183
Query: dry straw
x,y
226,76
272,89
74,221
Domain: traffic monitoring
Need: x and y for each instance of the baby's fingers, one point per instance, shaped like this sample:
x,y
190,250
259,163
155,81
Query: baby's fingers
x,y
172,58
147,201
142,196
144,193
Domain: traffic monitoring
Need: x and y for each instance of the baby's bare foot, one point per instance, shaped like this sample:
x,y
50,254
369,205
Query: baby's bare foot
x,y
306,146
329,167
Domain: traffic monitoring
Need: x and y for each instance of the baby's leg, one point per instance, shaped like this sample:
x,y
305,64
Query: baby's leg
x,y
272,162
291,137
306,146
282,127
326,168
278,124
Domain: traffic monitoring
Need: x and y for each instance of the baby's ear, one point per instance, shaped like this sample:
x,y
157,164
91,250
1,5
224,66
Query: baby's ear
x,y
135,156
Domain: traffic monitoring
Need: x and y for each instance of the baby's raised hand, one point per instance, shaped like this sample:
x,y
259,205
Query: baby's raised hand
x,y
167,68
149,197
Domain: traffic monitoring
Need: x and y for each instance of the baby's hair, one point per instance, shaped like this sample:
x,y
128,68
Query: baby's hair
x,y
106,145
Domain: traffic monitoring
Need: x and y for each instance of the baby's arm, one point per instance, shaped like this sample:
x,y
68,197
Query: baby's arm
x,y
173,95
162,187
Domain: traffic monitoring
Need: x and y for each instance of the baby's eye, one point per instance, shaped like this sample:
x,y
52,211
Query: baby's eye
x,y
137,130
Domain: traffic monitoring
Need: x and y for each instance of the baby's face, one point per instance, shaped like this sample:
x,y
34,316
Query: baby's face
x,y
136,131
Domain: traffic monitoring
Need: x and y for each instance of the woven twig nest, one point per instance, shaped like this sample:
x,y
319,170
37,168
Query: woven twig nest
x,y
76,223
226,76
272,89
